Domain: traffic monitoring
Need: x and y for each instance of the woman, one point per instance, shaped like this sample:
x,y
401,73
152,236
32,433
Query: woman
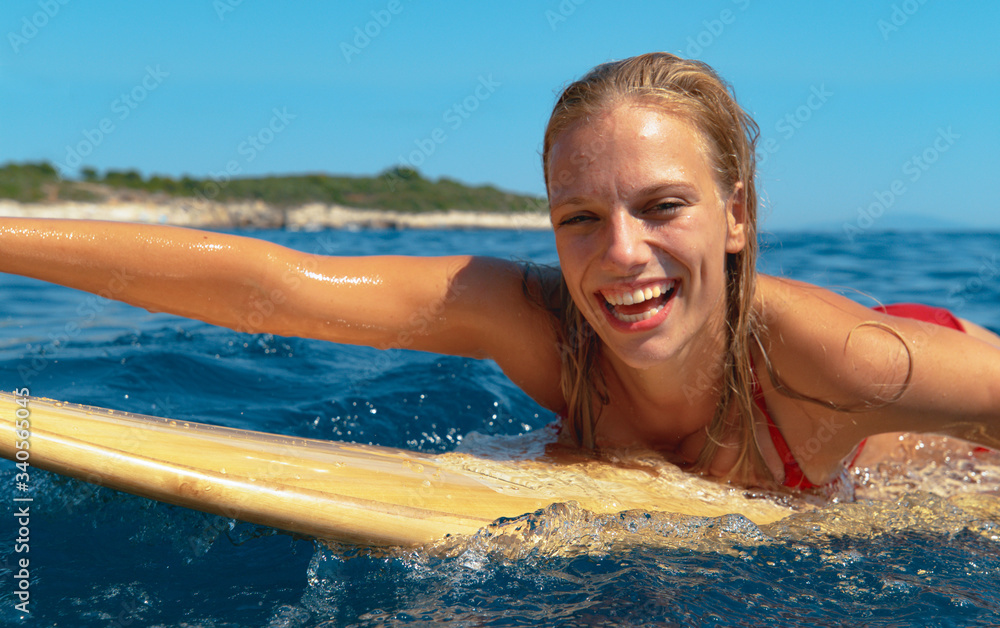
x,y
656,333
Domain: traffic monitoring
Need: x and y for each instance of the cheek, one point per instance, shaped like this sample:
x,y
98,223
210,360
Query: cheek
x,y
700,249
573,263
571,255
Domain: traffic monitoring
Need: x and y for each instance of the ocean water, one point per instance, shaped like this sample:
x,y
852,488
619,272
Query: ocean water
x,y
927,553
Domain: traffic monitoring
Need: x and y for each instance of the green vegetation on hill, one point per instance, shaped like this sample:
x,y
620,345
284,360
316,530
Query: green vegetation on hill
x,y
39,182
398,189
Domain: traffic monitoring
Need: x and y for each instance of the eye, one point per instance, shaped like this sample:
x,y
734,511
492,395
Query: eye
x,y
665,208
575,219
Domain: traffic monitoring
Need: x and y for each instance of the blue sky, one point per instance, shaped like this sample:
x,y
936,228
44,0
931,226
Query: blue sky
x,y
879,108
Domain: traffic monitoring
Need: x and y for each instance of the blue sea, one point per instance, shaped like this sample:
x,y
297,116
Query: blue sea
x,y
98,557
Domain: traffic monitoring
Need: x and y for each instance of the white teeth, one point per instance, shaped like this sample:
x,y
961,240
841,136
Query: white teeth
x,y
635,318
638,296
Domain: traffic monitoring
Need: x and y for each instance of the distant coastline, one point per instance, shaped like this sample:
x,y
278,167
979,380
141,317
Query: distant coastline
x,y
397,198
259,215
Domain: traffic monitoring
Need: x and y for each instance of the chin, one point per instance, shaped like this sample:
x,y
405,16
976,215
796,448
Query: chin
x,y
642,355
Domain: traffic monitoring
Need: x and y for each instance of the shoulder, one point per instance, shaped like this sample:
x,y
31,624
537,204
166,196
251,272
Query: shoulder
x,y
507,289
891,374
825,354
826,346
786,301
516,307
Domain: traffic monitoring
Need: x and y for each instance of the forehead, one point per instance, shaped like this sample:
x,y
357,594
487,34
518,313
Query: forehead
x,y
631,145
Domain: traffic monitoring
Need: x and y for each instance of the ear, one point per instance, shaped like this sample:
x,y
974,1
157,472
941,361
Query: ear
x,y
736,220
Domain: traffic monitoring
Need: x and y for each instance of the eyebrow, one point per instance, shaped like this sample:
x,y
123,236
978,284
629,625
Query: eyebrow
x,y
573,200
669,186
655,189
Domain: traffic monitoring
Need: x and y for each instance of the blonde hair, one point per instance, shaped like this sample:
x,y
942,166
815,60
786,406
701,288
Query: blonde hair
x,y
694,91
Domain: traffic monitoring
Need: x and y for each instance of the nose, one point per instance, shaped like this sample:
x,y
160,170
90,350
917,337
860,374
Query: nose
x,y
626,250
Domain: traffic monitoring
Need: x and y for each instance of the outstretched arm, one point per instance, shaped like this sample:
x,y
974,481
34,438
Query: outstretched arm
x,y
456,305
893,374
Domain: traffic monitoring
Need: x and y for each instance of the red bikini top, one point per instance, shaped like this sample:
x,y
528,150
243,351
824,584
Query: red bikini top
x,y
794,477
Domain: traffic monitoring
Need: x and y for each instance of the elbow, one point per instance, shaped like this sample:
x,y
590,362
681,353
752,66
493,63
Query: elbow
x,y
265,297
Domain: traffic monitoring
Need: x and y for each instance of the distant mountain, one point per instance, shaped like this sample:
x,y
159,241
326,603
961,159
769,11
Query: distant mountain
x,y
889,221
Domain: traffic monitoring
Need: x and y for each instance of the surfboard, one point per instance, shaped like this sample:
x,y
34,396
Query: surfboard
x,y
338,491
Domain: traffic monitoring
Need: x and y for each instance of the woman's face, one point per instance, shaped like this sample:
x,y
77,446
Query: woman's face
x,y
642,230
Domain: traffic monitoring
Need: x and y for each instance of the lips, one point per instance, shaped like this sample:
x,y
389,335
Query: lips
x,y
638,304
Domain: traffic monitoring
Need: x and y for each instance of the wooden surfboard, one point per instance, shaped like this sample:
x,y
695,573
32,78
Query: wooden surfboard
x,y
334,490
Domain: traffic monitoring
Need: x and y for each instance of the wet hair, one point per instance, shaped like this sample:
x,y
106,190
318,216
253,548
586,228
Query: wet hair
x,y
694,92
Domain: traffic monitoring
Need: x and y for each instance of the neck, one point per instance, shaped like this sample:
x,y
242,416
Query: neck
x,y
676,399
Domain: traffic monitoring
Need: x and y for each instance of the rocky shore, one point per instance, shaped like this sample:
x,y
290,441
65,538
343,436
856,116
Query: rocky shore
x,y
258,215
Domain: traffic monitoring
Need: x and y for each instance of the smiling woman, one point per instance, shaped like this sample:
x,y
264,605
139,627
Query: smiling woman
x,y
646,214
649,164
646,336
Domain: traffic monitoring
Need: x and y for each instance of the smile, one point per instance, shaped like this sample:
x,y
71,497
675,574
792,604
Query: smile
x,y
640,304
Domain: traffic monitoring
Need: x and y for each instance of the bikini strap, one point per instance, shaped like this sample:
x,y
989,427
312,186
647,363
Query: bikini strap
x,y
794,477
